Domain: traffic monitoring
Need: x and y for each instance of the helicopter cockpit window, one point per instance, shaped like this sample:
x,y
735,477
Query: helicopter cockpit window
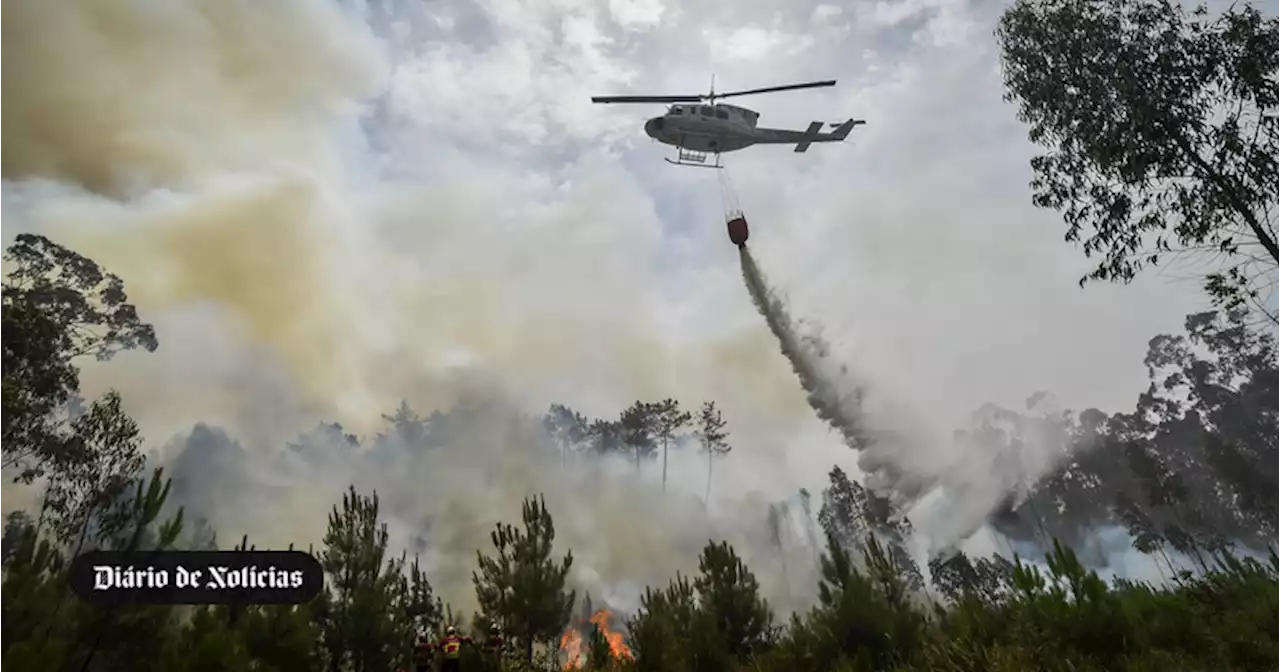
x,y
721,114
707,111
677,110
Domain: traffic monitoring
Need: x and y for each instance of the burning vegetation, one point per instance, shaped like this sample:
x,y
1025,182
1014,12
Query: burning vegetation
x,y
591,639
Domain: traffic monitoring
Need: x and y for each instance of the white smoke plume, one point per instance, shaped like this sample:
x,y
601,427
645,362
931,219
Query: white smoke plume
x,y
260,177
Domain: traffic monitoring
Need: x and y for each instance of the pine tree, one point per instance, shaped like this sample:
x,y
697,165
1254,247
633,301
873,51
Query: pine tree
x,y
567,428
522,586
358,619
605,435
667,420
713,438
729,593
639,428
599,655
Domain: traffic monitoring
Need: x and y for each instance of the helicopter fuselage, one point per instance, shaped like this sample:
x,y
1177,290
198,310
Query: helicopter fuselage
x,y
698,130
706,128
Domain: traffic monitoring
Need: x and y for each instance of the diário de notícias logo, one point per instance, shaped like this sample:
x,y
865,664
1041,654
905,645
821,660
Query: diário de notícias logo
x,y
196,577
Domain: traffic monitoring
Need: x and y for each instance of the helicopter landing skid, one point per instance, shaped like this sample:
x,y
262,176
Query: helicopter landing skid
x,y
692,159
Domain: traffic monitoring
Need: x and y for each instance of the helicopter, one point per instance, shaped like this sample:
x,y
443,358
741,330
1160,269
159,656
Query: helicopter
x,y
696,125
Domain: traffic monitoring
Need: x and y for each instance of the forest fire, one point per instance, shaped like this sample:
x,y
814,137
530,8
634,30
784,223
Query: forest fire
x,y
573,644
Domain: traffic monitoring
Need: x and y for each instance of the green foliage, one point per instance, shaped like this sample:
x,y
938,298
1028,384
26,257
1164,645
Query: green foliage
x,y
86,302
599,655
638,428
668,418
523,586
712,438
730,594
367,619
1191,468
57,306
672,632
1161,130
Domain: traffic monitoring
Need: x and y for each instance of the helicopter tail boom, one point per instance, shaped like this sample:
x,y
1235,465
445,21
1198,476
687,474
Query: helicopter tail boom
x,y
810,135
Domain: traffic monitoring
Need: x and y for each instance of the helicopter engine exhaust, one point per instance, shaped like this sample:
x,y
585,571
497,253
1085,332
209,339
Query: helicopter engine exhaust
x,y
738,231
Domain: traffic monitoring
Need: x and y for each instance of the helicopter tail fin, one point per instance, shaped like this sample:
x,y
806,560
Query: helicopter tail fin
x,y
842,131
810,136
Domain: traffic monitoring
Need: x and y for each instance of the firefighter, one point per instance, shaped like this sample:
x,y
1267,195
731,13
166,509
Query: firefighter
x,y
450,647
493,648
422,649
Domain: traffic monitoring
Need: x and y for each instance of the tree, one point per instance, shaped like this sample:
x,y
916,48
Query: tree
x,y
599,655
38,380
1161,129
567,428
712,437
357,614
841,515
407,428
57,306
327,435
605,435
638,425
957,577
671,632
855,516
522,586
115,636
861,619
667,419
1212,394
108,442
730,594
88,303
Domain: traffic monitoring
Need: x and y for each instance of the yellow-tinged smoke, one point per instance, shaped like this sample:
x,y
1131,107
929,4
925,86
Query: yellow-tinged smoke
x,y
207,151
122,96
198,134
198,151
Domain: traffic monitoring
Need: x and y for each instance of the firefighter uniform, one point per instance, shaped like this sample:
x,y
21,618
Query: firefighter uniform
x,y
451,650
493,648
422,649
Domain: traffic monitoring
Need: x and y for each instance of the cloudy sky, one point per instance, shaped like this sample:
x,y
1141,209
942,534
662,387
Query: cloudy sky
x,y
914,243
326,207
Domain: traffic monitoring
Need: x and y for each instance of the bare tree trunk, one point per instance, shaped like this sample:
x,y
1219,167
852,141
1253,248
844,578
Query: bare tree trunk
x,y
706,498
664,464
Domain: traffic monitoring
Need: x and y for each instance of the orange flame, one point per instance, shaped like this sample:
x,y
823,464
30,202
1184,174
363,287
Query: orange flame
x,y
571,645
571,640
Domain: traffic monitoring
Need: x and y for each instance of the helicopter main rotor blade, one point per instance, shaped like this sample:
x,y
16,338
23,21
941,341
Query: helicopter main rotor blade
x,y
771,89
646,99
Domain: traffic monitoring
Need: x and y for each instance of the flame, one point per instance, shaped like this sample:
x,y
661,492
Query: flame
x,y
571,645
571,641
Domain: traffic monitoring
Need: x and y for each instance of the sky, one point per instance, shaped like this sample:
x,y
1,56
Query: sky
x,y
915,241
328,207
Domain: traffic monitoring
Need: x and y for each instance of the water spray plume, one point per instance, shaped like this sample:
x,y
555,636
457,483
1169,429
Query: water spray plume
x,y
822,396
884,454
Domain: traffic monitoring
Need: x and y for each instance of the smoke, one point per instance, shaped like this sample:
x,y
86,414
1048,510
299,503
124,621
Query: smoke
x,y
947,487
258,176
219,158
442,501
